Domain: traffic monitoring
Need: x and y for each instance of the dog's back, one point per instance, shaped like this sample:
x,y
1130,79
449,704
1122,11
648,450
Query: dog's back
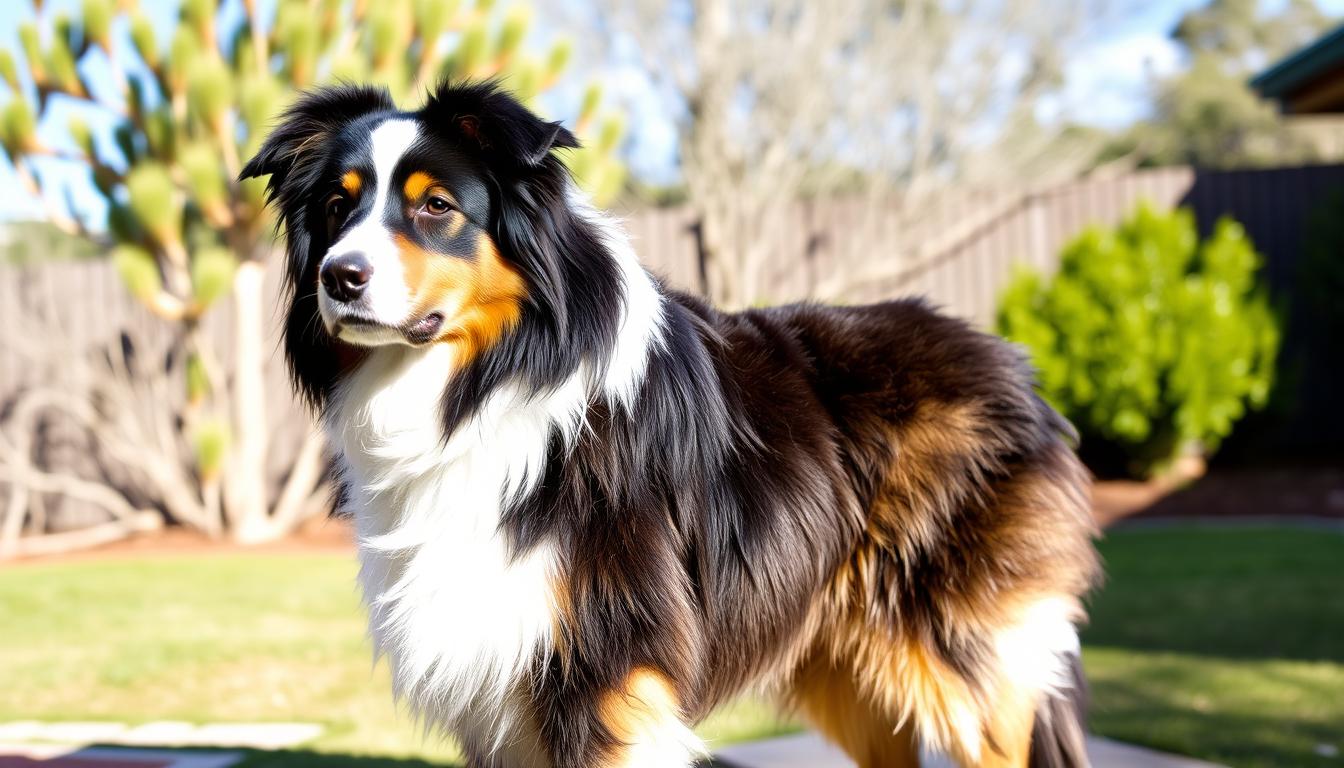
x,y
950,622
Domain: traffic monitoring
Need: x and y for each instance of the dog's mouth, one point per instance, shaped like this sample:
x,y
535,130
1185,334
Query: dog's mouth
x,y
363,328
347,320
424,330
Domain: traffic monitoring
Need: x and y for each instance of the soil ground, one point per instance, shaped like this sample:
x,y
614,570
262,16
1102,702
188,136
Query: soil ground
x,y
1221,494
1228,493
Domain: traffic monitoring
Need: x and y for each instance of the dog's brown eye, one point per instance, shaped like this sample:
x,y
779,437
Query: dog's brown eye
x,y
438,206
337,207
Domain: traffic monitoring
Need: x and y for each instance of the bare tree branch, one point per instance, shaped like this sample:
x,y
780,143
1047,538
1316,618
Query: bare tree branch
x,y
83,538
883,101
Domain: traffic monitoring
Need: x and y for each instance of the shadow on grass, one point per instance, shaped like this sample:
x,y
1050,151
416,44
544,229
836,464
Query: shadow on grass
x,y
1238,593
1144,712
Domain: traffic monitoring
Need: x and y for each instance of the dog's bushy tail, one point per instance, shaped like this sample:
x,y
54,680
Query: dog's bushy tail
x,y
1058,739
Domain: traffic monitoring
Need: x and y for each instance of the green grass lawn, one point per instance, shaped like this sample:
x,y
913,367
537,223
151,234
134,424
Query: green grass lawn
x,y
1223,644
221,638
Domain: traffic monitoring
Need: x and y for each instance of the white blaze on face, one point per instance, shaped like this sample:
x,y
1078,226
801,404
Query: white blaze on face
x,y
387,298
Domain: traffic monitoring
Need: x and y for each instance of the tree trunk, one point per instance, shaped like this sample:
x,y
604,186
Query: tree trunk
x,y
11,527
245,496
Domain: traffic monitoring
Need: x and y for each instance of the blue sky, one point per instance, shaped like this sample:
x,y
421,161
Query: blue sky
x,y
1106,85
1106,81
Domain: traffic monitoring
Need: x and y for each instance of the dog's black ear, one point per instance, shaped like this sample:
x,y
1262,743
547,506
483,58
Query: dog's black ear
x,y
485,116
293,155
302,132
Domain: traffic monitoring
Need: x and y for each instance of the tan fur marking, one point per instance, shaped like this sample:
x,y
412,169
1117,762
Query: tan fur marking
x,y
636,713
565,617
1040,533
899,685
943,471
918,687
829,697
1041,527
480,298
352,183
455,225
414,262
416,185
940,456
1007,732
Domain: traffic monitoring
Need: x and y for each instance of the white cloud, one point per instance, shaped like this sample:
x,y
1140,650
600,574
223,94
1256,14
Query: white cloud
x,y
1107,84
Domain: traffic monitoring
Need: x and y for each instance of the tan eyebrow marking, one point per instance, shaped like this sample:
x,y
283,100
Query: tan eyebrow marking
x,y
351,183
419,182
416,185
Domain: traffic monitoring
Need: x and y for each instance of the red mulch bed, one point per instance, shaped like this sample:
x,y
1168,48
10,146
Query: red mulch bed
x,y
1228,494
1221,494
320,535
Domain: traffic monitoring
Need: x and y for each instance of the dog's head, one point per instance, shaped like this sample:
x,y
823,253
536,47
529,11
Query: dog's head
x,y
447,225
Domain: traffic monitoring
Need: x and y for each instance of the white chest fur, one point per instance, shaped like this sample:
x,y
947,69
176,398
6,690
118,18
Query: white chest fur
x,y
457,616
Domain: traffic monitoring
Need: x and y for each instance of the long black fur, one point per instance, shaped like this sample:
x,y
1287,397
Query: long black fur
x,y
1059,737
774,464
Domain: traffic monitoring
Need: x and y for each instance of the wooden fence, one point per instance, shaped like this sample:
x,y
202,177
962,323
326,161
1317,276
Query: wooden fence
x,y
977,245
983,240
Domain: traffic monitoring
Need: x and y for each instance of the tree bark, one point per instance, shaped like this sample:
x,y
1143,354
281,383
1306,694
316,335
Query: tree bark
x,y
245,496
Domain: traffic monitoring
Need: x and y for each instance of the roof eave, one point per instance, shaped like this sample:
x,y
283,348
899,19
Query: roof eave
x,y
1300,67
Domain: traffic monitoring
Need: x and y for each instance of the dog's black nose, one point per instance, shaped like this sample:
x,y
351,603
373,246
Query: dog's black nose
x,y
346,276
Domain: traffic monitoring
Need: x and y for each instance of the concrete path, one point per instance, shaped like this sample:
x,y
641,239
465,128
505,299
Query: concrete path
x,y
163,733
809,751
66,756
26,744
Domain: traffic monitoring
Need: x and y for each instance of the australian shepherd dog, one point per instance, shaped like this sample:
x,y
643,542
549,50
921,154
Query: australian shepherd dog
x,y
591,508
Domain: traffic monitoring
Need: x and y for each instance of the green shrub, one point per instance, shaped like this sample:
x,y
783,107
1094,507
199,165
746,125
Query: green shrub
x,y
1150,341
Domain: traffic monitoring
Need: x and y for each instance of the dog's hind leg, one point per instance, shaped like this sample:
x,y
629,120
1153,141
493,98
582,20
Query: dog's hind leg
x,y
829,696
1005,734
645,720
881,695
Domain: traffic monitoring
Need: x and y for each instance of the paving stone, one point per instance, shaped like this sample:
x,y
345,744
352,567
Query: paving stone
x,y
20,730
1106,753
80,733
810,751
164,733
67,756
32,751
